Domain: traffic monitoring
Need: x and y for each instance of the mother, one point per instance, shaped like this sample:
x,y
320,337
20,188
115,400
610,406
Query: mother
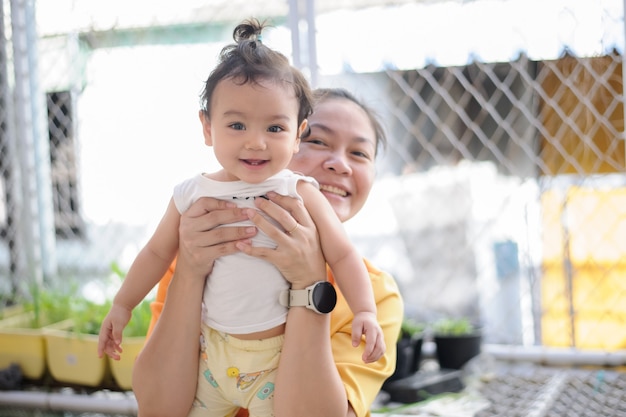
x,y
318,375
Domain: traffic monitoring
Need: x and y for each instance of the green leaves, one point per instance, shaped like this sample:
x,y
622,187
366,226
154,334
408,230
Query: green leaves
x,y
411,328
453,327
52,305
139,321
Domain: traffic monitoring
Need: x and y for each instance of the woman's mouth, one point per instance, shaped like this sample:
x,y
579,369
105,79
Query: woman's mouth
x,y
333,190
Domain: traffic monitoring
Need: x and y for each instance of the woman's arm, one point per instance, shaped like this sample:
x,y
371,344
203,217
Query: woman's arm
x,y
307,370
165,372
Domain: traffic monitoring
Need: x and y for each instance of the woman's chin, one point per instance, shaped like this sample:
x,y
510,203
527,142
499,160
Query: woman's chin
x,y
341,205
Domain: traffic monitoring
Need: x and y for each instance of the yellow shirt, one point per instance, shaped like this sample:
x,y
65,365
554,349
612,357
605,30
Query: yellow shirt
x,y
361,381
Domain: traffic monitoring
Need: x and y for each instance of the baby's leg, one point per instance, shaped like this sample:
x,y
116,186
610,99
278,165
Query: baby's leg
x,y
210,399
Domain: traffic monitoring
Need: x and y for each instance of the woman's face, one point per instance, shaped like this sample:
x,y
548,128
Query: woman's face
x,y
339,153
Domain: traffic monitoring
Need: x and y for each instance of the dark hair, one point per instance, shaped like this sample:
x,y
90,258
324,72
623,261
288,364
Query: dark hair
x,y
248,60
323,94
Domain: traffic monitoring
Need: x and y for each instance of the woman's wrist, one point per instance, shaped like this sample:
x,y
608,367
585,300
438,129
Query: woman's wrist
x,y
305,282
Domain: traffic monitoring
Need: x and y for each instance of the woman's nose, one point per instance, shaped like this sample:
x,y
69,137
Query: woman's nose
x,y
337,164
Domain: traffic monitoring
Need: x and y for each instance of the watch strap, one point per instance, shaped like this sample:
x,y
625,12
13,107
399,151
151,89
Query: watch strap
x,y
295,298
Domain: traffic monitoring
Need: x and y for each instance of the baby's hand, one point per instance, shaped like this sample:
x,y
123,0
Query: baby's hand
x,y
110,338
365,324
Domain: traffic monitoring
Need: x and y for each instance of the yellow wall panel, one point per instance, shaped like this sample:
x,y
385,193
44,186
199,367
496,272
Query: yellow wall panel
x,y
596,249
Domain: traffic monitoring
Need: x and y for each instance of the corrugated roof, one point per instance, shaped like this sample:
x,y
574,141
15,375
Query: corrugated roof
x,y
62,16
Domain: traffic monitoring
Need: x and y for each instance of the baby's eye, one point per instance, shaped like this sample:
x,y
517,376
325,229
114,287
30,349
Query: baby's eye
x,y
275,129
237,126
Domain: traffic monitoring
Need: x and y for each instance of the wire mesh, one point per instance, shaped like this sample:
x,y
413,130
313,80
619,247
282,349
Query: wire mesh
x,y
500,196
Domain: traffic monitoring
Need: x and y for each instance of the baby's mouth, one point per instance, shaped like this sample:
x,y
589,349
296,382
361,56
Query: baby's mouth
x,y
254,162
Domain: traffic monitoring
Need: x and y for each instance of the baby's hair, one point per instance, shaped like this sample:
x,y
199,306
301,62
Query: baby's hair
x,y
323,94
248,60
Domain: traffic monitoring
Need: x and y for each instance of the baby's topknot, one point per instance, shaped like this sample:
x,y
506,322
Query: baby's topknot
x,y
249,30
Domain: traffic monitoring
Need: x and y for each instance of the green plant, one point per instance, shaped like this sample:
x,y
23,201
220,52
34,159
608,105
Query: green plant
x,y
140,320
49,305
453,327
411,328
52,305
87,316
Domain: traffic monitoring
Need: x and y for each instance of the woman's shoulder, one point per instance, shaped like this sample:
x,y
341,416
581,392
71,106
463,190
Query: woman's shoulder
x,y
382,281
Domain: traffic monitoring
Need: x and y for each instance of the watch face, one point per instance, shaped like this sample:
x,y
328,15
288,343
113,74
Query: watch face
x,y
324,297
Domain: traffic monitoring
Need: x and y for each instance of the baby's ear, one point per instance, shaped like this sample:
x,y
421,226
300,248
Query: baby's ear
x,y
296,146
206,127
301,130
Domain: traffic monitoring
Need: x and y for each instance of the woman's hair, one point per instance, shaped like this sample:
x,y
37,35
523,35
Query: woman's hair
x,y
323,94
248,60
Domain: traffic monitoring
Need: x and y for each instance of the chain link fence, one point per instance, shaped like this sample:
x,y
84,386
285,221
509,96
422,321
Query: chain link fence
x,y
501,195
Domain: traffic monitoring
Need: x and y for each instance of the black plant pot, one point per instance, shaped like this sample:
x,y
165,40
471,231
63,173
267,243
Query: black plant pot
x,y
455,351
409,357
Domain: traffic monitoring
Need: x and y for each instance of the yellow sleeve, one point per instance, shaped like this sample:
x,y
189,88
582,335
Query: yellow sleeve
x,y
363,381
157,305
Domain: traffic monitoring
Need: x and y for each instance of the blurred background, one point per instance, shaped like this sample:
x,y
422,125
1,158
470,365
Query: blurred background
x,y
501,197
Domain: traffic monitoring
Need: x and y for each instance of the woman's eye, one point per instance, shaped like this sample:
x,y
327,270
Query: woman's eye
x,y
361,154
314,141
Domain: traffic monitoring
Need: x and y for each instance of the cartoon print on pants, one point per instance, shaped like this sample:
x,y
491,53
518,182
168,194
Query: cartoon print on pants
x,y
265,391
210,378
246,380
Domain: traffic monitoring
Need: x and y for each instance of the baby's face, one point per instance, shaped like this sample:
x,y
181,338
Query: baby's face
x,y
253,129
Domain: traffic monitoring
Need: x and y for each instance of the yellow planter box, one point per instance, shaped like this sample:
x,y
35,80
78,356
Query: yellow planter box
x,y
21,344
122,370
73,358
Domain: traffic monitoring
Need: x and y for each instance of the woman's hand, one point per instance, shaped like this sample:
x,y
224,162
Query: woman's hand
x,y
201,241
298,254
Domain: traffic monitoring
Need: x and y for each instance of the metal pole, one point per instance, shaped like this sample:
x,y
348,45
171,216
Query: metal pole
x,y
32,129
304,56
32,147
294,25
10,170
43,172
624,70
312,49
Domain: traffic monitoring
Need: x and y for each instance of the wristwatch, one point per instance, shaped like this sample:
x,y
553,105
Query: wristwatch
x,y
320,297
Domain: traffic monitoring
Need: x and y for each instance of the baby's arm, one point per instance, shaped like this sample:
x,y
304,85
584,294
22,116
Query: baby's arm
x,y
349,271
144,273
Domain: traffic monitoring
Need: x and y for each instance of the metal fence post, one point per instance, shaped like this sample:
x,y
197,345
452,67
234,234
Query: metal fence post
x,y
37,215
305,60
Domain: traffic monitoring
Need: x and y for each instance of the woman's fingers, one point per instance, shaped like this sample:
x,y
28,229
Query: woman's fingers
x,y
284,210
202,241
296,253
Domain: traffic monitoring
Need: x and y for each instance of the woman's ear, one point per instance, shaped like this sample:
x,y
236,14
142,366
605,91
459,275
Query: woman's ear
x,y
206,127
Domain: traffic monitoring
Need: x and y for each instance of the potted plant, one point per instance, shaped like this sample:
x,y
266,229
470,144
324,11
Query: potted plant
x,y
409,349
21,331
71,352
457,340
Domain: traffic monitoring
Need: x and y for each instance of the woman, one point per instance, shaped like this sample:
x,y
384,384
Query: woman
x,y
339,153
